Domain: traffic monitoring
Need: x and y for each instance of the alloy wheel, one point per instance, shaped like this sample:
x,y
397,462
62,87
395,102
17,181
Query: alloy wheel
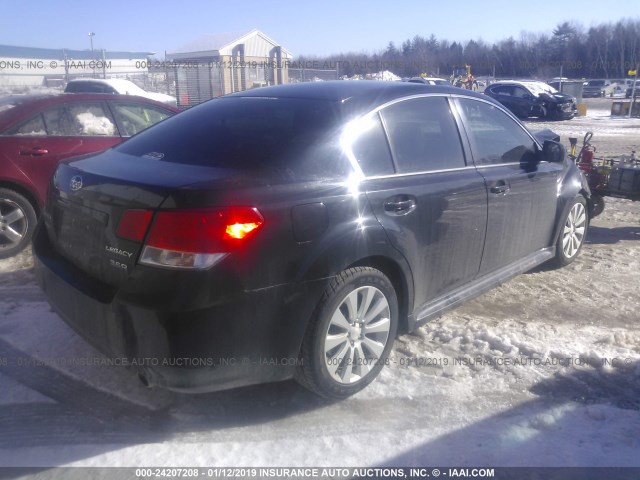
x,y
357,335
574,230
13,223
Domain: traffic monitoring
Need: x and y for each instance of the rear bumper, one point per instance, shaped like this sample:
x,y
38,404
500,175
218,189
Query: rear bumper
x,y
255,337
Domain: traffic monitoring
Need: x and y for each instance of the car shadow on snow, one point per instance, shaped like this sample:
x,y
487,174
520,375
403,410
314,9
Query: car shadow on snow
x,y
94,409
609,236
588,417
84,413
597,236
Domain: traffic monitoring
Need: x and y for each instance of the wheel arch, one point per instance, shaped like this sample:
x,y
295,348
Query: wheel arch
x,y
25,192
573,184
369,247
394,272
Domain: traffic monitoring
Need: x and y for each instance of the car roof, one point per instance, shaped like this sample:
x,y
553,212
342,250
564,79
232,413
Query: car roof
x,y
106,81
516,82
529,84
63,97
356,95
426,78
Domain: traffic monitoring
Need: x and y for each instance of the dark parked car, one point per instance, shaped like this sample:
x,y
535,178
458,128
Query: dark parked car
x,y
291,231
631,91
533,99
428,80
36,132
598,88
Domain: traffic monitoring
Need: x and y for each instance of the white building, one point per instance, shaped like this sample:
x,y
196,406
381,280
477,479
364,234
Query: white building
x,y
214,65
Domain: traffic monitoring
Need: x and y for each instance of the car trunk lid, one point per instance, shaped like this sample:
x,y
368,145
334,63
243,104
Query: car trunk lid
x,y
89,197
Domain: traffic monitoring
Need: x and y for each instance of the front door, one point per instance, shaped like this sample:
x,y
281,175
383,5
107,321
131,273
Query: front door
x,y
522,192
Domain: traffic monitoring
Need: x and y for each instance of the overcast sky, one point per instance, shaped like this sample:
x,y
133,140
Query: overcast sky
x,y
304,28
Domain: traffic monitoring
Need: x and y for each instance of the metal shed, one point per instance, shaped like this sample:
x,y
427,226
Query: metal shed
x,y
215,65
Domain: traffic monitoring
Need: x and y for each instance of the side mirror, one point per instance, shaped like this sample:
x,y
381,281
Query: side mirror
x,y
553,152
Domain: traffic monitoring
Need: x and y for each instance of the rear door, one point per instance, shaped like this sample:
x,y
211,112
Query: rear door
x,y
430,202
522,194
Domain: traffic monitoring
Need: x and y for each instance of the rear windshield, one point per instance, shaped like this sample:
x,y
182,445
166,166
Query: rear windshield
x,y
89,87
595,83
250,133
7,103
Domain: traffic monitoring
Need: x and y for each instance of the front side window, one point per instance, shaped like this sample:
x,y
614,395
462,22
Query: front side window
x,y
520,92
423,135
495,137
503,90
134,118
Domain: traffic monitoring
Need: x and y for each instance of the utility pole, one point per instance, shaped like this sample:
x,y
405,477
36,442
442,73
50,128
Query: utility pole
x,y
91,35
633,89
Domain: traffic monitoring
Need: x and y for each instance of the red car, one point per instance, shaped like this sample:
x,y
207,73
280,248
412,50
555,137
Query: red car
x,y
37,131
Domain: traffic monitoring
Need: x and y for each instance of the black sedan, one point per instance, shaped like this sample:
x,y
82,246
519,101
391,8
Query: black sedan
x,y
292,231
533,99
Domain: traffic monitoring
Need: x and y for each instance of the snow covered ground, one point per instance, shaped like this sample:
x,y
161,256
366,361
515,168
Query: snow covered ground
x,y
543,371
612,136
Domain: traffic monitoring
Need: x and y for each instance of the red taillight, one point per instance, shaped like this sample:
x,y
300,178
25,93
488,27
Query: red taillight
x,y
189,238
203,231
134,224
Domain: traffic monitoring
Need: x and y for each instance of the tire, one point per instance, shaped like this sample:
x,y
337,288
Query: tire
x,y
573,234
553,116
338,356
17,222
598,205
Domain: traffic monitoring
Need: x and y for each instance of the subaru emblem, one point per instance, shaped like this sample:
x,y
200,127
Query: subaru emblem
x,y
76,183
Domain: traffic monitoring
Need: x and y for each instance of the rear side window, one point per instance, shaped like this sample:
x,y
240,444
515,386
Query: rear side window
x,y
69,120
32,127
423,135
496,138
371,149
294,136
